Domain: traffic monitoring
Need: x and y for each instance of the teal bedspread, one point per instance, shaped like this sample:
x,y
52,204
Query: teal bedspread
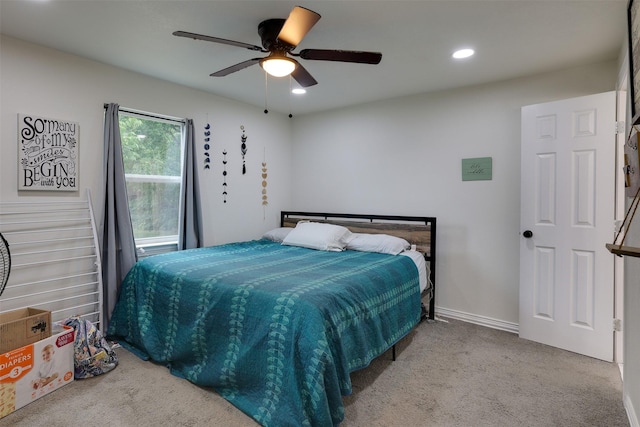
x,y
274,329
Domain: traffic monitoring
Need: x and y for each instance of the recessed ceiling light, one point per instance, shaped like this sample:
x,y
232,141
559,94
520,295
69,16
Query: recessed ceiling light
x,y
463,53
298,91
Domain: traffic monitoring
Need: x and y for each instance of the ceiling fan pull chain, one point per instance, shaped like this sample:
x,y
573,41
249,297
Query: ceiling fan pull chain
x,y
266,79
290,88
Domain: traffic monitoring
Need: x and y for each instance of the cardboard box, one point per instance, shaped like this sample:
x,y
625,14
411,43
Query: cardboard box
x,y
22,327
32,371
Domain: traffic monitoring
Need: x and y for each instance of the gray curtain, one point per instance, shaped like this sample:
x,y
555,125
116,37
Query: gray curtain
x,y
191,233
118,245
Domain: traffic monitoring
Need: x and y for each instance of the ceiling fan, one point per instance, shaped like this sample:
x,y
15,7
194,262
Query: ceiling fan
x,y
279,38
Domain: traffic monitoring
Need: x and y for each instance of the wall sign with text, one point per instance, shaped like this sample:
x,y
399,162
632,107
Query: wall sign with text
x,y
47,154
477,169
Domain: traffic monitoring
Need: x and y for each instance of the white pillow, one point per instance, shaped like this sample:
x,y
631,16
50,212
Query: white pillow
x,y
316,235
382,243
277,234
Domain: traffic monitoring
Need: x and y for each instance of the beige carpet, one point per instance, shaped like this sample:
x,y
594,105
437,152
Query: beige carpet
x,y
446,374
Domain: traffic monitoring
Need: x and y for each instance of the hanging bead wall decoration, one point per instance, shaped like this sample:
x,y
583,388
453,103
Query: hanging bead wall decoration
x,y
224,175
264,184
265,201
243,149
207,146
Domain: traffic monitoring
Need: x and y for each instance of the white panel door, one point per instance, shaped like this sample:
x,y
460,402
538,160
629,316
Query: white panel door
x,y
567,215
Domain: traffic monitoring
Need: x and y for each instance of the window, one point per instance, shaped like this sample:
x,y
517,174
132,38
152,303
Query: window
x,y
152,152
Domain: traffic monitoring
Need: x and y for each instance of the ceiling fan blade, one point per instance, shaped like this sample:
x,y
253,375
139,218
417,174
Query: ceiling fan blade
x,y
217,40
297,25
302,76
341,56
234,68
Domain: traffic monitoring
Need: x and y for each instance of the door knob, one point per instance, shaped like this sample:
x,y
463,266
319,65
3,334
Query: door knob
x,y
527,234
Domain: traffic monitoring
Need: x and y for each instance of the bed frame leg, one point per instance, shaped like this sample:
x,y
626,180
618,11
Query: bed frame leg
x,y
393,352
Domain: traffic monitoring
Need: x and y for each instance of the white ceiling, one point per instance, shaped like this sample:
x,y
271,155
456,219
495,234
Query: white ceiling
x,y
512,38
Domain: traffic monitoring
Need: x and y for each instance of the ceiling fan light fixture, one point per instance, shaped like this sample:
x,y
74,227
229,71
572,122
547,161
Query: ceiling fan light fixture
x,y
463,53
279,66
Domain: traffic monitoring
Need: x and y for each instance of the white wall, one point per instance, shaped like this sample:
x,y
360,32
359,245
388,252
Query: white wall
x,y
45,82
403,156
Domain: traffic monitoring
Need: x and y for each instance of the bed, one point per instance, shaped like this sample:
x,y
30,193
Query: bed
x,y
276,325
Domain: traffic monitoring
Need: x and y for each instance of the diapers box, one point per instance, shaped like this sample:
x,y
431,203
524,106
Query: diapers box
x,y
30,372
22,327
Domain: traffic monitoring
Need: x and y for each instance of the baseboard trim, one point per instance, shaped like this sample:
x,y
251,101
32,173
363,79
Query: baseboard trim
x,y
478,320
631,413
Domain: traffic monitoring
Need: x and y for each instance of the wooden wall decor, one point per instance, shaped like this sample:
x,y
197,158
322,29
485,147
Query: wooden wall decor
x,y
632,189
632,163
618,247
